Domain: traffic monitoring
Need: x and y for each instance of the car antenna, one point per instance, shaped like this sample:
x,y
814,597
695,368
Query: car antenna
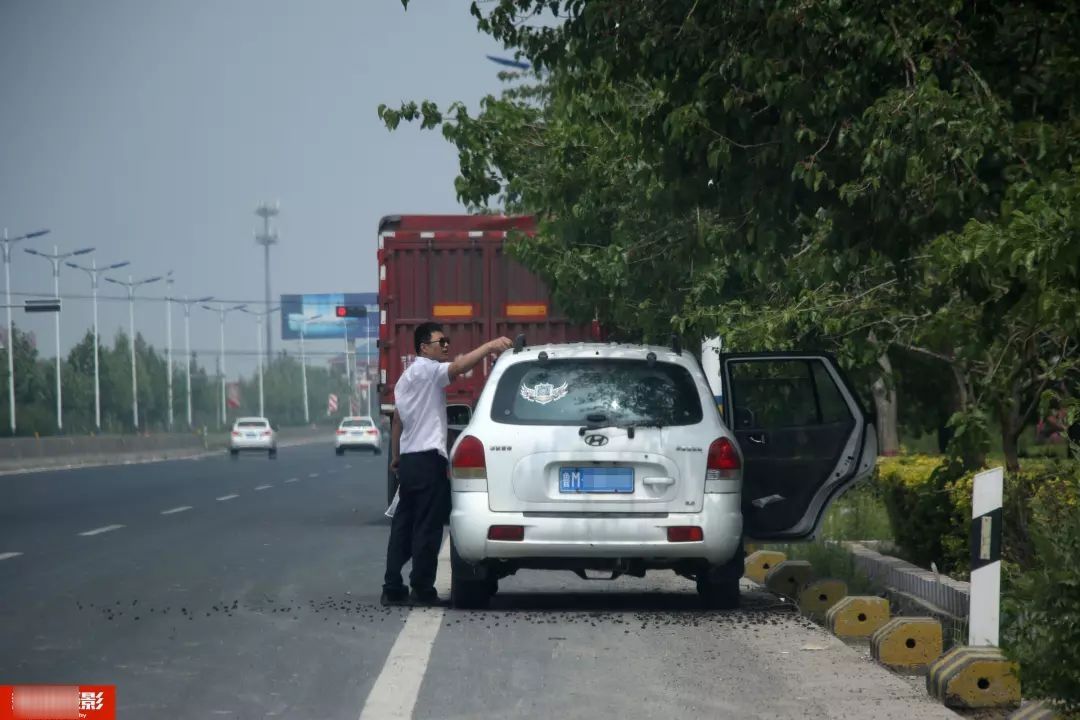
x,y
519,343
676,344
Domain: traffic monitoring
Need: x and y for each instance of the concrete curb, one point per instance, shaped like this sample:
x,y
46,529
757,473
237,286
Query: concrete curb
x,y
941,591
140,458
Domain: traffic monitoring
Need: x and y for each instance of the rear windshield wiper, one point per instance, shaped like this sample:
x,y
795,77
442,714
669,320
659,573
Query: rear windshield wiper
x,y
595,424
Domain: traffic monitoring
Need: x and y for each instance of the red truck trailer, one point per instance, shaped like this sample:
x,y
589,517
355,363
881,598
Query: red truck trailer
x,y
453,269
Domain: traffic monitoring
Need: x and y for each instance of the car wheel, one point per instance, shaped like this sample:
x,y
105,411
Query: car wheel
x,y
339,451
378,451
273,454
718,586
234,454
470,586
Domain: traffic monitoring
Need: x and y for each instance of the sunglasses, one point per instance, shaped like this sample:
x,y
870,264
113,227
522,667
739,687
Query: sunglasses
x,y
443,342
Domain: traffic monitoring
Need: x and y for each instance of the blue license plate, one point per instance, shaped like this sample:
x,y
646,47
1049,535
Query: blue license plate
x,y
596,480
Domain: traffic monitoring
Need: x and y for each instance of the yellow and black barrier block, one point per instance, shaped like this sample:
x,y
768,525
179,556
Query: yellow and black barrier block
x,y
787,577
818,596
1035,711
908,644
857,616
760,562
974,678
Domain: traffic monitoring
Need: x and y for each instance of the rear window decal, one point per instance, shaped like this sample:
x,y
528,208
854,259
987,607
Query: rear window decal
x,y
544,393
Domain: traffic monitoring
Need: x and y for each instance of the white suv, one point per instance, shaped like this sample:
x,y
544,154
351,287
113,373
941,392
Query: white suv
x,y
615,459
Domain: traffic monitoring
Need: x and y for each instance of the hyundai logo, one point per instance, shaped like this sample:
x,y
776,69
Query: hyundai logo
x,y
596,440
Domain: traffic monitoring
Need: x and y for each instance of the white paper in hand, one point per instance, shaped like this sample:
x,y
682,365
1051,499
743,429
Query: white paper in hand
x,y
393,505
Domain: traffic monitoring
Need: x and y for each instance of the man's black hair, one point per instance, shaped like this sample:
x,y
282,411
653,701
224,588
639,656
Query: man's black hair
x,y
424,332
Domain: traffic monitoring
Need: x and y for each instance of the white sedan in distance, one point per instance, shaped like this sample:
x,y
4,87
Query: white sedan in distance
x,y
253,433
358,433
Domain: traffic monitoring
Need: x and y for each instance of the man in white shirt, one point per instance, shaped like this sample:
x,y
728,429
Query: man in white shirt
x,y
418,447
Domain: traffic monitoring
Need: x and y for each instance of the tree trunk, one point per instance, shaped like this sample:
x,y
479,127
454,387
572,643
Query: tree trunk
x,y
884,390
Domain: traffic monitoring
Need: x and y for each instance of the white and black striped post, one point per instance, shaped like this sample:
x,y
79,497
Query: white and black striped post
x,y
985,609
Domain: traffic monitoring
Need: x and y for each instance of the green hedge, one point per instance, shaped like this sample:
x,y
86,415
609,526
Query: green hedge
x,y
928,501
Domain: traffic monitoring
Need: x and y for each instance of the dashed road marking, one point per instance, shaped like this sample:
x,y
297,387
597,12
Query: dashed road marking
x,y
292,480
223,498
9,555
173,511
264,487
314,475
98,531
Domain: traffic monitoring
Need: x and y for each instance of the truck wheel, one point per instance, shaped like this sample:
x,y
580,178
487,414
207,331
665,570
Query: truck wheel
x,y
470,586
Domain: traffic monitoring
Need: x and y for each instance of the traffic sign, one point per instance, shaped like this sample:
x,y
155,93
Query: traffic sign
x,y
35,306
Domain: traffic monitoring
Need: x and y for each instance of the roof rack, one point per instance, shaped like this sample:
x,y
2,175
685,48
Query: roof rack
x,y
519,343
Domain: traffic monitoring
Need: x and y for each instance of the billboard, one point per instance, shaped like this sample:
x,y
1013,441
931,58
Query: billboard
x,y
364,330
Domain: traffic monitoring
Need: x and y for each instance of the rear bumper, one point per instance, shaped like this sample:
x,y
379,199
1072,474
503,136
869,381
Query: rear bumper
x,y
343,441
601,537
252,444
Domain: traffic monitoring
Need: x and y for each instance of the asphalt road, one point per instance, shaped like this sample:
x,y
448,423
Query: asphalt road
x,y
215,588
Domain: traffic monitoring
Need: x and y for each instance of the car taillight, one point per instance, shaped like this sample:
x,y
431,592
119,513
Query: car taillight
x,y
685,533
266,433
235,433
723,460
340,432
469,460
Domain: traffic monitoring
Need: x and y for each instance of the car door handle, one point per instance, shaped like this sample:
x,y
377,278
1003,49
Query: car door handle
x,y
756,438
665,481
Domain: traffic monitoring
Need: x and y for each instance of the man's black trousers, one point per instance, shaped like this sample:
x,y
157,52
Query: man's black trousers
x,y
417,527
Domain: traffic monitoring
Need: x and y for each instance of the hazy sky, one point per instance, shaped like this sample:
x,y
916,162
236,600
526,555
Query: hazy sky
x,y
151,129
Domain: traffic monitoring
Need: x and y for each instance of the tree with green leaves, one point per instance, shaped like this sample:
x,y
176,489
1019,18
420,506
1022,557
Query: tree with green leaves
x,y
793,173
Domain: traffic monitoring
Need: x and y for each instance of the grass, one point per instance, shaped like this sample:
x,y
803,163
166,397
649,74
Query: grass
x,y
858,515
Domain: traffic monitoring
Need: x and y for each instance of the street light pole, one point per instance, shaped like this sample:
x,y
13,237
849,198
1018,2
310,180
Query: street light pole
x,y
187,346
55,259
93,271
258,341
222,311
10,333
168,344
131,284
303,364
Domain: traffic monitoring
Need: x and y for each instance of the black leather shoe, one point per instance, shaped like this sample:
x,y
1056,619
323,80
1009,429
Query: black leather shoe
x,y
428,598
394,598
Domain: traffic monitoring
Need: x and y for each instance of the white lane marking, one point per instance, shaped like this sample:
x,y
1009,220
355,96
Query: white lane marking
x,y
396,689
173,511
223,498
264,487
292,480
8,556
98,531
348,466
314,475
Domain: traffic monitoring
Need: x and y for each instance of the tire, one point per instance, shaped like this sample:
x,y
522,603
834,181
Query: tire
x,y
471,587
339,451
234,454
273,454
378,451
718,586
722,594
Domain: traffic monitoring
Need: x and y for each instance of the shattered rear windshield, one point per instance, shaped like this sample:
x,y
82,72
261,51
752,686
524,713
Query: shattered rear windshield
x,y
625,392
